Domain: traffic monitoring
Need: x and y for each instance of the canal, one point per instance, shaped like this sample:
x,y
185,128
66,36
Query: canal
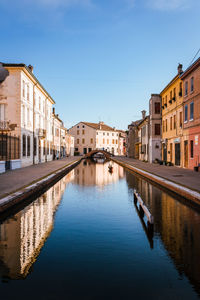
x,y
84,238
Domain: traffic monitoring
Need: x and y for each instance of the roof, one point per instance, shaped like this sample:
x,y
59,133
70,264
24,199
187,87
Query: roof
x,y
21,65
191,68
170,83
99,126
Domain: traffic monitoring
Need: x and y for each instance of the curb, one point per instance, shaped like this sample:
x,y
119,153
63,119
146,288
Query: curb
x,y
169,185
35,188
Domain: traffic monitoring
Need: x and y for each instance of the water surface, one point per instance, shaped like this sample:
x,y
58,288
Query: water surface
x,y
85,239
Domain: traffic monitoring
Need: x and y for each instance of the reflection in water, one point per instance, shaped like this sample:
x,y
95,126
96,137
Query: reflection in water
x,y
23,235
91,173
176,224
104,236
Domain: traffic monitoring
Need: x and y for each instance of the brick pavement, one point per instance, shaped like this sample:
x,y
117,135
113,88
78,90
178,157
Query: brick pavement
x,y
184,177
14,180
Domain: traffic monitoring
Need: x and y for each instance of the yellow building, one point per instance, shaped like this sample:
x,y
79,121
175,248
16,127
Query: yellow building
x,y
172,120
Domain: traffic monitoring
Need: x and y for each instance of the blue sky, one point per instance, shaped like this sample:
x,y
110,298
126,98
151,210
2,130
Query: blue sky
x,y
100,60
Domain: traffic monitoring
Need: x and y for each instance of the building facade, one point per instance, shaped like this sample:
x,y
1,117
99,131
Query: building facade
x,y
155,125
26,105
191,123
92,136
172,120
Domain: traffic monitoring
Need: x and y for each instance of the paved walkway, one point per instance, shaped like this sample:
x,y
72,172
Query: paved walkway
x,y
184,177
14,180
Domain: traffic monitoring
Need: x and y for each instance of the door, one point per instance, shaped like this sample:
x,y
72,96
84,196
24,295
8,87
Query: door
x,y
177,154
186,154
39,150
85,150
171,151
164,152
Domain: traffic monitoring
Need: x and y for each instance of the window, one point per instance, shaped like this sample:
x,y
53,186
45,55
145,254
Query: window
x,y
83,131
83,126
23,88
174,97
97,133
2,112
192,84
163,126
191,110
186,88
180,89
166,99
77,126
174,121
113,141
112,134
186,113
170,95
170,123
24,144
28,92
107,133
77,141
157,107
44,149
116,142
83,141
91,141
103,141
181,119
107,141
157,129
28,145
166,125
77,132
39,103
191,149
35,146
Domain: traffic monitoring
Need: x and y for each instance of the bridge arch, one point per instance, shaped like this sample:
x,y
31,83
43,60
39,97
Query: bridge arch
x,y
93,152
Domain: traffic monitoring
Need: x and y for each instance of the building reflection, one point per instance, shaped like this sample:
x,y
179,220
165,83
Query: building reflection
x,y
89,173
23,235
176,225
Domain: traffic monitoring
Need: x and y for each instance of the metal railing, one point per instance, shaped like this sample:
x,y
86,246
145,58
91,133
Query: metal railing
x,y
9,147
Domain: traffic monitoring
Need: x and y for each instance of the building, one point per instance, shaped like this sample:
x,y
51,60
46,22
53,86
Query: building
x,y
25,108
143,135
172,120
122,142
191,124
133,140
92,136
155,125
69,141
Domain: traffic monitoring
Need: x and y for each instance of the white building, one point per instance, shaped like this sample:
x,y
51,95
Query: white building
x,y
92,136
27,110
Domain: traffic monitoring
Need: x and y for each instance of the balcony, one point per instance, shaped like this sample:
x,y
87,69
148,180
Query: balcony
x,y
170,101
6,126
41,133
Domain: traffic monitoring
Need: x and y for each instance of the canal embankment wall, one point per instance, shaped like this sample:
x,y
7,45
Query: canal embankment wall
x,y
182,182
20,185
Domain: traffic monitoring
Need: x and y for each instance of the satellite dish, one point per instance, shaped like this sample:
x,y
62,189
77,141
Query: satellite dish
x,y
3,73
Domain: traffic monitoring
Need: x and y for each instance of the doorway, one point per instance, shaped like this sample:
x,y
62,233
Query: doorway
x,y
186,154
177,154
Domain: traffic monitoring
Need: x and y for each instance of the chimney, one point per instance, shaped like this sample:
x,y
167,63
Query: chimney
x,y
54,110
180,69
100,123
30,68
143,114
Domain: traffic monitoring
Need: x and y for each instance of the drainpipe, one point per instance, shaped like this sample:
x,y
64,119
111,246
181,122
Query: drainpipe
x,y
45,114
34,121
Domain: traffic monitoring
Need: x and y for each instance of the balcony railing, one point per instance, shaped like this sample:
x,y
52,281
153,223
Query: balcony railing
x,y
41,133
4,125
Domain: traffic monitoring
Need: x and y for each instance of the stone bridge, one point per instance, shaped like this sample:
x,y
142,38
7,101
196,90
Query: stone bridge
x,y
93,152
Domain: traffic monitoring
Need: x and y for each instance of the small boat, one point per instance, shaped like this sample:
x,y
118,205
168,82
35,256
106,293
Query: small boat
x,y
110,168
